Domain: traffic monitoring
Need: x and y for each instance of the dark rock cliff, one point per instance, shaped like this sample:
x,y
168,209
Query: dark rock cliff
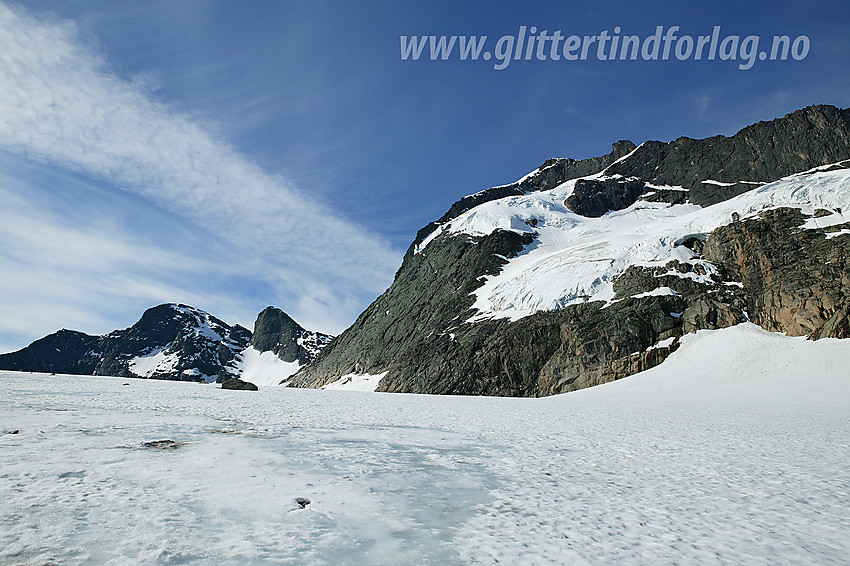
x,y
768,269
275,331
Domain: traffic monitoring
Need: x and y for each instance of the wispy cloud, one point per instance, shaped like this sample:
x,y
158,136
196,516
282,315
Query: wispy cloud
x,y
62,104
74,255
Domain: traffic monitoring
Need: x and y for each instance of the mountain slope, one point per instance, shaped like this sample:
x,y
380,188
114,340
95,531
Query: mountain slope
x,y
178,342
710,170
537,292
170,341
279,348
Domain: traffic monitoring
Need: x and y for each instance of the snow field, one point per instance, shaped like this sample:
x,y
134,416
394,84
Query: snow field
x,y
263,368
733,451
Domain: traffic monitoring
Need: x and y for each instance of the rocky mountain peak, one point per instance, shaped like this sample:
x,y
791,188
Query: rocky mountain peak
x,y
709,170
587,271
169,341
276,331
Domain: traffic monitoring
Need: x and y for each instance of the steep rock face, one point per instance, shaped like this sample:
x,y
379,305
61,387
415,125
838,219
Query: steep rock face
x,y
758,154
170,341
275,331
426,335
797,279
279,347
761,153
430,293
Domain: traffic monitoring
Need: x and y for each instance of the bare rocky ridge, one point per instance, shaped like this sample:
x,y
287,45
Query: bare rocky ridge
x,y
761,153
758,154
768,269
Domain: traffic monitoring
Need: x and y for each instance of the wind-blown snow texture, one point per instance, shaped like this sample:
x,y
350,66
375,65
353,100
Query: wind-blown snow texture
x,y
575,258
707,459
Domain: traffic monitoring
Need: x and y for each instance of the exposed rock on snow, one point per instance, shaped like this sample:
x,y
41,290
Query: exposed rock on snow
x,y
239,385
165,444
595,197
534,292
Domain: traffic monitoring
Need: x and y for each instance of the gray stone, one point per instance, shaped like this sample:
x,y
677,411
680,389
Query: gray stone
x,y
239,385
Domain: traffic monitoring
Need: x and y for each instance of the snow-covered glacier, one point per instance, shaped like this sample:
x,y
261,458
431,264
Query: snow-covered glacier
x,y
575,258
714,457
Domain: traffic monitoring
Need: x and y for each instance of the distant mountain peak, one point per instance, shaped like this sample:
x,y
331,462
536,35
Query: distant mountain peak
x,y
178,342
276,331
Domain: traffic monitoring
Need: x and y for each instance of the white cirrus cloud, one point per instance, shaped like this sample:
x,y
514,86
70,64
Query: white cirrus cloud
x,y
62,104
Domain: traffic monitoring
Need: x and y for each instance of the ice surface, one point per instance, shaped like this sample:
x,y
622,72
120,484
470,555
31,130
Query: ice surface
x,y
657,292
842,232
734,451
826,221
575,258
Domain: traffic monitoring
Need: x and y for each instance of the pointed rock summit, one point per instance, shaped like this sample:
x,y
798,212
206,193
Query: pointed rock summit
x,y
275,331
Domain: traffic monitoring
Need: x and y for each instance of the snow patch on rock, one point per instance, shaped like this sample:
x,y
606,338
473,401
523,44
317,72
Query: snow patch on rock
x,y
356,382
575,259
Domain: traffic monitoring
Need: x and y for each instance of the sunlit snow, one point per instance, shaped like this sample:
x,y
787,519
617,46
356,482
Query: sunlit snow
x,y
156,361
575,258
263,368
356,382
733,451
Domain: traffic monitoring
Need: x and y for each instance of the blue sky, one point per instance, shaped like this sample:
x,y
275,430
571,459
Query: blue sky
x,y
233,155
